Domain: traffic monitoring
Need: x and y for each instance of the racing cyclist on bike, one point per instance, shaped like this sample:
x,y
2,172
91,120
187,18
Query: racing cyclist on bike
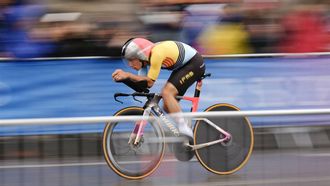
x,y
148,58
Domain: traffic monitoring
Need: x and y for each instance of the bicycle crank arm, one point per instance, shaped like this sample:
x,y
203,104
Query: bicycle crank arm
x,y
203,145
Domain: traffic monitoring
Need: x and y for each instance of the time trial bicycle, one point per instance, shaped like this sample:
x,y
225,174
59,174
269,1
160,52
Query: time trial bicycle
x,y
134,149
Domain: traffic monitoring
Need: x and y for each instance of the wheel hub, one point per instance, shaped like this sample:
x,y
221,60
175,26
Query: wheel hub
x,y
138,144
226,142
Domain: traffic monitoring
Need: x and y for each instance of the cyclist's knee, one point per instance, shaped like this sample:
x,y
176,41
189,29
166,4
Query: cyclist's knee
x,y
166,93
169,91
165,108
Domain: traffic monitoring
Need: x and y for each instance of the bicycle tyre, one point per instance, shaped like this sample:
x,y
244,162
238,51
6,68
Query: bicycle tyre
x,y
224,158
115,145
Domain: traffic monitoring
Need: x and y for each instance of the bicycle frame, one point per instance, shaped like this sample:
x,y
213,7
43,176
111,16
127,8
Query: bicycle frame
x,y
152,107
213,139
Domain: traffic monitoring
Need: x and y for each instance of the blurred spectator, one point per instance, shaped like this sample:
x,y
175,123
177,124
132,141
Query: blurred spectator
x,y
228,36
119,38
69,33
162,21
121,30
304,29
328,25
3,7
261,20
20,20
198,17
32,30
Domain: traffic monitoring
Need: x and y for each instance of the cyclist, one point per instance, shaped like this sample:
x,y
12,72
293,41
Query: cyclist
x,y
148,58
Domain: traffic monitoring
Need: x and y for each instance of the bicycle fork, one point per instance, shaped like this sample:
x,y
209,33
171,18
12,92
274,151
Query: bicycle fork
x,y
137,133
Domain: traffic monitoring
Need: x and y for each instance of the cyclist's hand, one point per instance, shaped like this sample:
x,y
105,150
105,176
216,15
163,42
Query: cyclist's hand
x,y
119,75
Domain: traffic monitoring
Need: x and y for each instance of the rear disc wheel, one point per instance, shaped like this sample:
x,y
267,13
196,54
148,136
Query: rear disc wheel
x,y
229,156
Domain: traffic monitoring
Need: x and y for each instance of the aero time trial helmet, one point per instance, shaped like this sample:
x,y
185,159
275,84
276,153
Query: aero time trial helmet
x,y
137,48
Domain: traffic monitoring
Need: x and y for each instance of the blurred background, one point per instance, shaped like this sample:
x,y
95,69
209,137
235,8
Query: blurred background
x,y
40,79
53,28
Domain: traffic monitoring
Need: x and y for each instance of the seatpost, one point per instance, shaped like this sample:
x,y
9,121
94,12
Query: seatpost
x,y
198,88
197,93
199,84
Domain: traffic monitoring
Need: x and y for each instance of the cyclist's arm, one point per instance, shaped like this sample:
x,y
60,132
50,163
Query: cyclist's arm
x,y
119,75
154,70
134,77
155,65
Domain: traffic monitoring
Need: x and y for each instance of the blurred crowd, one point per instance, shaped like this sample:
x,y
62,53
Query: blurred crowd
x,y
29,29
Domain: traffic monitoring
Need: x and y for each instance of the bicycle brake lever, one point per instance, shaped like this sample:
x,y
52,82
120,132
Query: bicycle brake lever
x,y
119,94
137,99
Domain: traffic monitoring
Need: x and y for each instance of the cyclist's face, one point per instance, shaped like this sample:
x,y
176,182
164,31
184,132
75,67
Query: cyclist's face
x,y
135,64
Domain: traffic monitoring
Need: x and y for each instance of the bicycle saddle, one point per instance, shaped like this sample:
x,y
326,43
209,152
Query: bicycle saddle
x,y
205,75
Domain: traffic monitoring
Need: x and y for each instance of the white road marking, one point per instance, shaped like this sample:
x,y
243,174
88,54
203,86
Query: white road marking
x,y
315,155
281,180
51,165
74,164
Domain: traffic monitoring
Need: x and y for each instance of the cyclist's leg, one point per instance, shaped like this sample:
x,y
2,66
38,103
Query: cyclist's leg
x,y
178,83
169,92
171,105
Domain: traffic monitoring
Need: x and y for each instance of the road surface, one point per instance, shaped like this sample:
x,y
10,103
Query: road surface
x,y
270,168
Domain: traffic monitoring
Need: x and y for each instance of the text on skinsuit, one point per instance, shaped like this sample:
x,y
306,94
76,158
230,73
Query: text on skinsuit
x,y
186,77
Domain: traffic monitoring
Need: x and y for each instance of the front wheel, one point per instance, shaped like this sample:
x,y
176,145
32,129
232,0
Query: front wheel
x,y
129,160
226,157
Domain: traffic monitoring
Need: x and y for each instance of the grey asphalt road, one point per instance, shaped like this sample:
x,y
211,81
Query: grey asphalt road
x,y
304,167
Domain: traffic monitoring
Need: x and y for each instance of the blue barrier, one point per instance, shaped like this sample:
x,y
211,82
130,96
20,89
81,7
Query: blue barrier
x,y
84,87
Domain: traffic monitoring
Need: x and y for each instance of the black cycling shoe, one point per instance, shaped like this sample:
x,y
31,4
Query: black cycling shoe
x,y
181,151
